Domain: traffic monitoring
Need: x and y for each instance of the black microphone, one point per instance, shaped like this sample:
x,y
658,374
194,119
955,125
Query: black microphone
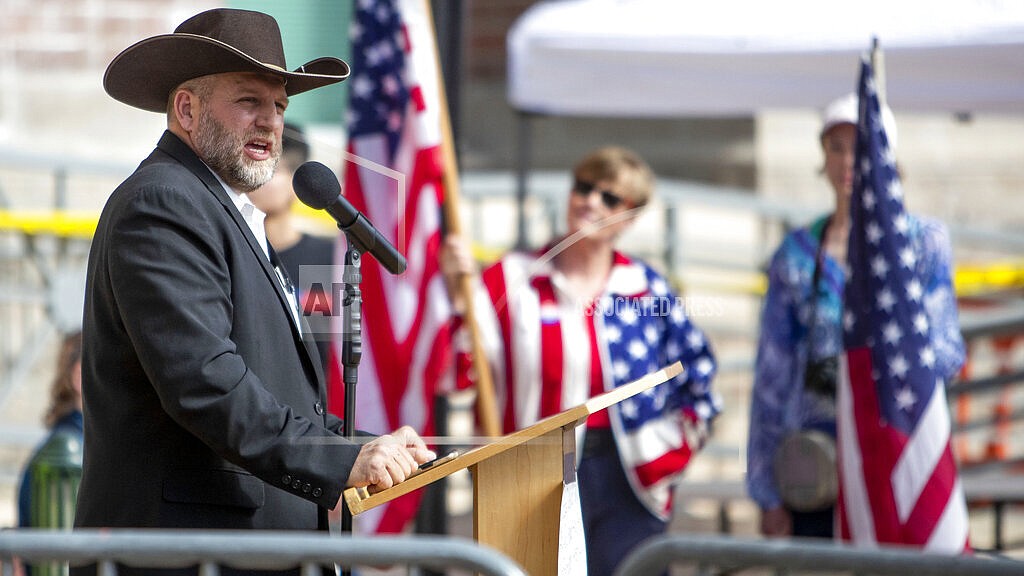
x,y
318,187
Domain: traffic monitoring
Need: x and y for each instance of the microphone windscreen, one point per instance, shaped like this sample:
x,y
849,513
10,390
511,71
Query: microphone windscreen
x,y
316,185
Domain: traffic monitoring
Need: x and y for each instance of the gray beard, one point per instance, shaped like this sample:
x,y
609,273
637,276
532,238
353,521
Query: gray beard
x,y
222,151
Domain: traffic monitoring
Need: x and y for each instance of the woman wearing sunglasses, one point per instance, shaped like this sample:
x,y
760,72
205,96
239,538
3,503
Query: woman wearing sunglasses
x,y
578,318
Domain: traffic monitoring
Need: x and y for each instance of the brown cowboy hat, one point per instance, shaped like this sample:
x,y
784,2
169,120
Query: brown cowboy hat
x,y
211,42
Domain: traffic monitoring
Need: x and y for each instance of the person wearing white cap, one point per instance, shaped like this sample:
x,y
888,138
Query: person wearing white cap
x,y
791,455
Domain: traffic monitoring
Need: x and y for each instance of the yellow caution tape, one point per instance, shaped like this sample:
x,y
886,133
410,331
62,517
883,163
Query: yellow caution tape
x,y
968,279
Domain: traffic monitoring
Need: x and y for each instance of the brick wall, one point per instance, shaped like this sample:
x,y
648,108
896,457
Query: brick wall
x,y
52,57
487,24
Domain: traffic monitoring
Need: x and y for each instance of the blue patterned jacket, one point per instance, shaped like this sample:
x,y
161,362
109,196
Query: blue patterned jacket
x,y
795,326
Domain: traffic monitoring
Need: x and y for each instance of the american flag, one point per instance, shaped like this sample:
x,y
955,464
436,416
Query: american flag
x,y
393,174
898,478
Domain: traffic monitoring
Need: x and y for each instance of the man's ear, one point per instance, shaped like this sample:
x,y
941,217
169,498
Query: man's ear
x,y
184,108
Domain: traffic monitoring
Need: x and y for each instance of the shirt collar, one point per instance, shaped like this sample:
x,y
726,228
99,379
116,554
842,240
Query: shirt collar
x,y
252,215
627,277
239,199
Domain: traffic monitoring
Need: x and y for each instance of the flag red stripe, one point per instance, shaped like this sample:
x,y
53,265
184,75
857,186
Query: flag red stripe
x,y
932,502
599,419
669,463
494,281
878,448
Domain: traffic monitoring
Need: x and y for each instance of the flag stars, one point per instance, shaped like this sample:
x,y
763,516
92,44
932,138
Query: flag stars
x,y
927,357
907,258
695,340
868,198
637,349
906,399
895,189
629,408
677,316
902,224
890,160
394,121
390,85
914,290
891,333
848,321
362,87
673,350
628,316
704,366
879,266
874,232
657,401
355,32
899,366
886,300
620,369
921,323
376,55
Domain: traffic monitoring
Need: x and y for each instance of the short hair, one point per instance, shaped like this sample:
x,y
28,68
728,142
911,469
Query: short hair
x,y
294,146
202,87
619,165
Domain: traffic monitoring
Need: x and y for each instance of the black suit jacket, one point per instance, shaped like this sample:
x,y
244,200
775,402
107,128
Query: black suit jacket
x,y
204,406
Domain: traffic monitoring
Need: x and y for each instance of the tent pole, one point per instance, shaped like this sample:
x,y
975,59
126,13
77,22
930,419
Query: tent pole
x,y
523,137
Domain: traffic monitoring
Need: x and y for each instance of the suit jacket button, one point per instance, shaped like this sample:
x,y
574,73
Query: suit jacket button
x,y
296,484
319,408
305,488
317,492
286,479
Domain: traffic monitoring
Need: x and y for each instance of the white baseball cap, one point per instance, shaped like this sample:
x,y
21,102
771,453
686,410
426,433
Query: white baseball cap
x,y
843,110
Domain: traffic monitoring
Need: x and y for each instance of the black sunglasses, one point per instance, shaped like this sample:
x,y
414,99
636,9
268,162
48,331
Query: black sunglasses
x,y
610,199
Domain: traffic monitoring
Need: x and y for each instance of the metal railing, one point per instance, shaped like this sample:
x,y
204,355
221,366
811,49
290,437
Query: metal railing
x,y
807,557
247,550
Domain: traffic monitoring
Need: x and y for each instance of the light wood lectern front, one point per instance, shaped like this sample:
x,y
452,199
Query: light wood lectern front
x,y
518,480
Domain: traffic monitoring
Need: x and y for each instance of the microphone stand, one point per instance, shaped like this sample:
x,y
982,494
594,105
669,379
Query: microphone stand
x,y
360,237
351,348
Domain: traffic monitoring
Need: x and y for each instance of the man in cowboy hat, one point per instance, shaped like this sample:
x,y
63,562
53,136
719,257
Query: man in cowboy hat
x,y
204,403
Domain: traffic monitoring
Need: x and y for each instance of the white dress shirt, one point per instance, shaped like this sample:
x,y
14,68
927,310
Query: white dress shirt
x,y
255,217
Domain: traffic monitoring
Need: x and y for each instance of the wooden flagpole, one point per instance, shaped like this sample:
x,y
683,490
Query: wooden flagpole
x,y
878,65
485,400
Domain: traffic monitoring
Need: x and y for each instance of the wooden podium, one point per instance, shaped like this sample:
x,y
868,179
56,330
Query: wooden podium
x,y
518,480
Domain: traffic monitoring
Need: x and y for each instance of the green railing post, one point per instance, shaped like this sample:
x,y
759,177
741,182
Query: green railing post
x,y
56,471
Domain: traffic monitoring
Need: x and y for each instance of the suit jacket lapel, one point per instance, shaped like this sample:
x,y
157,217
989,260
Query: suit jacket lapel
x,y
304,330
173,146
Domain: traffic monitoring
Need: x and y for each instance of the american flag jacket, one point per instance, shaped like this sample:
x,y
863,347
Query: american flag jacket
x,y
544,345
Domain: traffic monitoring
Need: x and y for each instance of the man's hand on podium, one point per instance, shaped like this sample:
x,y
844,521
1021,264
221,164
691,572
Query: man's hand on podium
x,y
389,459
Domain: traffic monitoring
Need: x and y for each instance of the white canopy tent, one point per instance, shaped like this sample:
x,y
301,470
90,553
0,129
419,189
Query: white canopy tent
x,y
719,58
643,58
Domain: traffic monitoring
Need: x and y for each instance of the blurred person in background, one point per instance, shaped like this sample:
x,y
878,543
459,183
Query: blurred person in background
x,y
578,318
204,403
63,416
294,247
791,456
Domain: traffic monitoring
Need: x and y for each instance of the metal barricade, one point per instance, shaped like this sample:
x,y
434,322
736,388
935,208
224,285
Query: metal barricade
x,y
805,557
247,550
